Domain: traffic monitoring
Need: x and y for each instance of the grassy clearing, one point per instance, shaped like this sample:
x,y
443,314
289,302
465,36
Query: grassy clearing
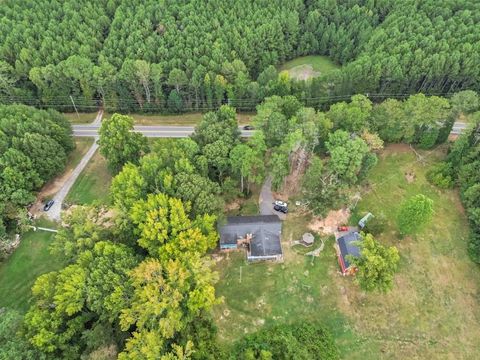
x,y
93,183
81,118
305,67
190,119
21,269
433,311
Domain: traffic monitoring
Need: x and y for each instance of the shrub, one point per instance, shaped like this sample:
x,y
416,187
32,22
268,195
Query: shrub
x,y
376,225
414,213
428,138
441,175
300,341
474,246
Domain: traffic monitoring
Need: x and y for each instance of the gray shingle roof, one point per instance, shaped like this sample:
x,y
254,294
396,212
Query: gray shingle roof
x,y
266,231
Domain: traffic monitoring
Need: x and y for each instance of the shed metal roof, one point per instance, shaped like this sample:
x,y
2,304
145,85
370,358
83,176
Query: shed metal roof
x,y
347,246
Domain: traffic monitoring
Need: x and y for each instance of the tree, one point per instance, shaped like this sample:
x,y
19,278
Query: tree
x,y
465,101
12,344
175,102
118,144
321,188
346,155
248,164
166,231
189,291
107,283
414,214
376,265
177,78
202,193
127,187
353,116
84,227
55,320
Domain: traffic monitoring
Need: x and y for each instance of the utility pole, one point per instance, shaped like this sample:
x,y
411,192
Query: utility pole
x,y
73,102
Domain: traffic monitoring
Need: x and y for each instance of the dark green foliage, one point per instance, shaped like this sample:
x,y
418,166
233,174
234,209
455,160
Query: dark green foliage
x,y
177,55
441,175
376,225
119,144
13,344
414,214
34,145
321,188
465,101
174,102
300,341
474,246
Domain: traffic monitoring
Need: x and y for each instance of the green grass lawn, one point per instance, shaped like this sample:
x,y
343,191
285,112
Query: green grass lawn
x,y
92,186
20,270
81,118
433,311
305,67
189,119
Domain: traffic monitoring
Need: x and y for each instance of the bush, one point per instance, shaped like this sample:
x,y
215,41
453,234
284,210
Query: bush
x,y
474,247
414,213
376,225
301,341
428,138
441,175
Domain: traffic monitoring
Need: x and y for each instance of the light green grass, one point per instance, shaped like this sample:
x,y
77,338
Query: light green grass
x,y
432,312
20,270
306,67
81,118
92,186
189,119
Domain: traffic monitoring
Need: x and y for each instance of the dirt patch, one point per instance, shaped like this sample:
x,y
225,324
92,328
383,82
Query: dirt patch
x,y
395,148
303,72
410,176
234,205
330,223
48,191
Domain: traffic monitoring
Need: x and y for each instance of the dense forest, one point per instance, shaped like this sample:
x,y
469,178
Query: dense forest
x,y
34,145
174,56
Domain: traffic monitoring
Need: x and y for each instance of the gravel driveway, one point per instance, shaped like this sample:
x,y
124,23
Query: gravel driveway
x,y
265,201
55,210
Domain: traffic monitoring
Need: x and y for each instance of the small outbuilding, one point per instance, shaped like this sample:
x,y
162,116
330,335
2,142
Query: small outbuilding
x,y
308,239
347,244
260,235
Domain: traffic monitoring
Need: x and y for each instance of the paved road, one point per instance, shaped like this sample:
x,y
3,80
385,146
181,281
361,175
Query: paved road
x,y
148,131
55,210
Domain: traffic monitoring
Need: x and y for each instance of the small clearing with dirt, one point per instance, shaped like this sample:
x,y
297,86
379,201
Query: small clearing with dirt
x,y
331,222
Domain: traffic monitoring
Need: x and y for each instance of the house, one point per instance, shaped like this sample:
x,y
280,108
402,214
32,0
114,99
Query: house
x,y
260,235
346,245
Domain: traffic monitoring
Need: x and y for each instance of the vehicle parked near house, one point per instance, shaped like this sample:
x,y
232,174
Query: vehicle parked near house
x,y
48,205
280,206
